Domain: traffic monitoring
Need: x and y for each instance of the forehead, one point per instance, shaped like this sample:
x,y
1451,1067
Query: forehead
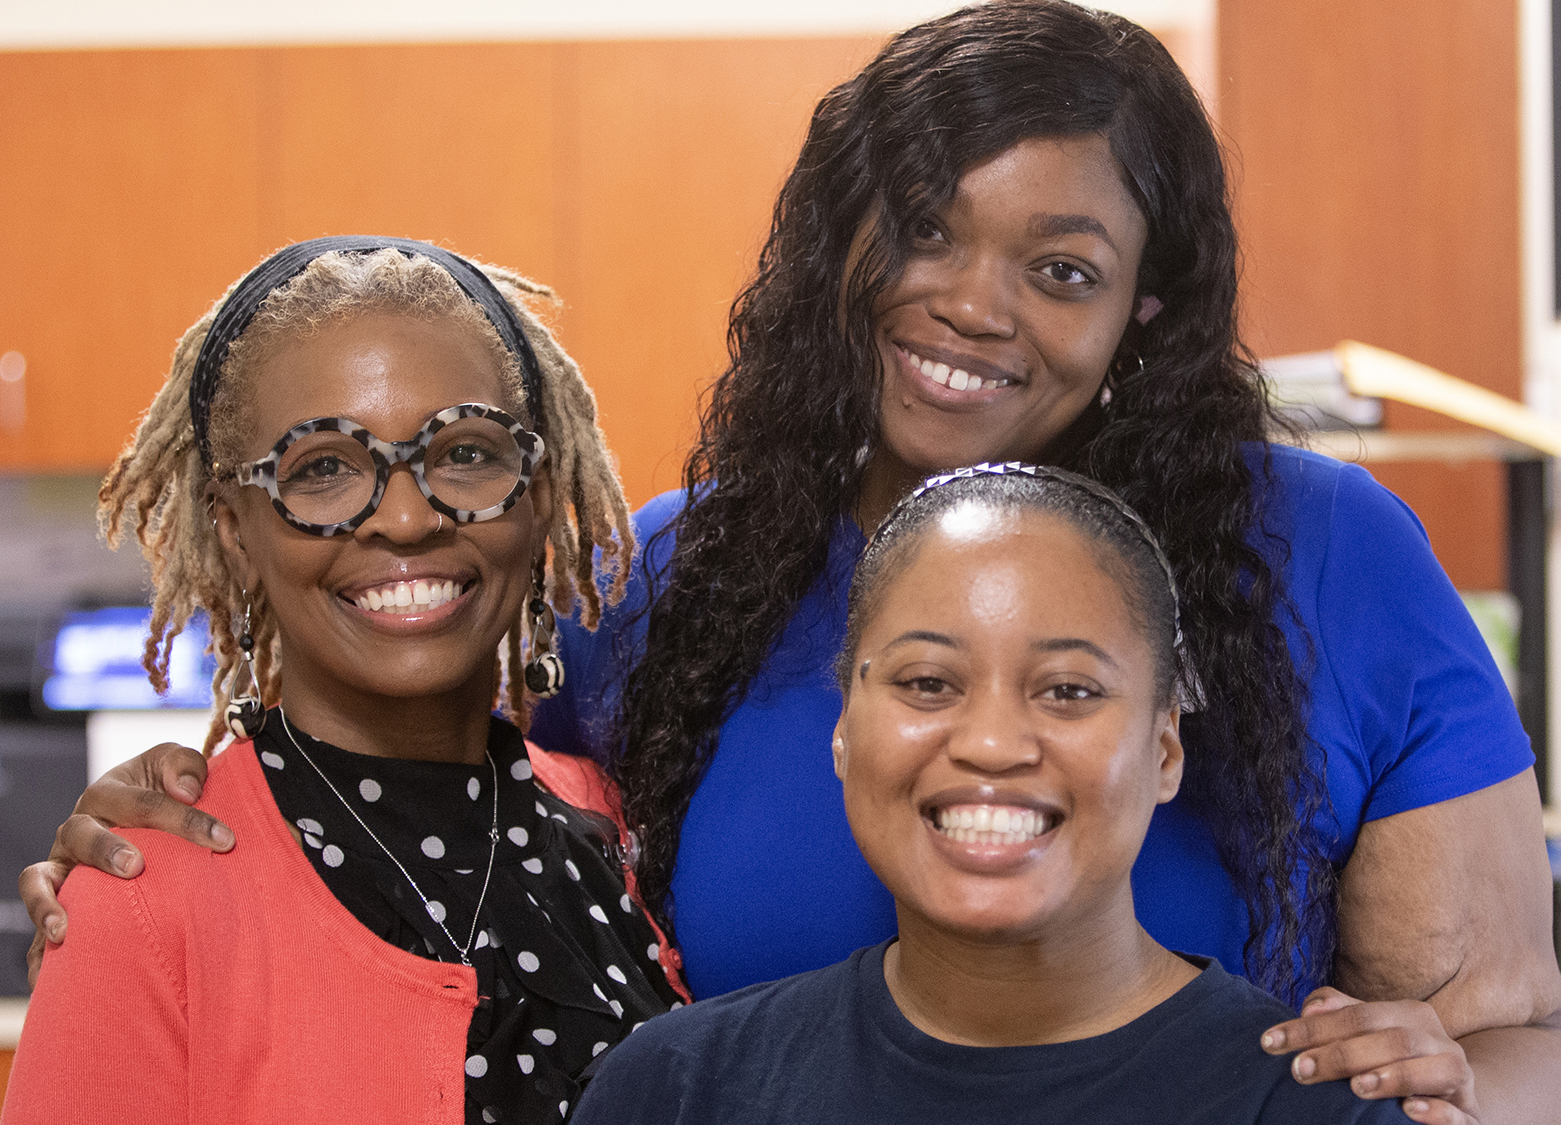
x,y
1041,180
1001,575
385,371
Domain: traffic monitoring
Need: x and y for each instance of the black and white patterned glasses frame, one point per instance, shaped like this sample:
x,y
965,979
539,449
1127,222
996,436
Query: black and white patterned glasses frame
x,y
385,455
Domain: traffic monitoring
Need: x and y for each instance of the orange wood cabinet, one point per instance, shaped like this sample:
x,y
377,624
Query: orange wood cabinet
x,y
1377,173
634,177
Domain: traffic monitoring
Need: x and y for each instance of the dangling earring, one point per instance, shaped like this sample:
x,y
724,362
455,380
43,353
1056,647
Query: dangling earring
x,y
1105,393
245,715
544,669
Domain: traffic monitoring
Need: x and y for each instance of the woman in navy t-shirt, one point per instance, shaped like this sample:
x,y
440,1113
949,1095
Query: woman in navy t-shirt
x,y
1011,672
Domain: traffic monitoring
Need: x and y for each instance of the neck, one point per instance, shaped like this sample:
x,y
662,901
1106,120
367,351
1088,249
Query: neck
x,y
885,479
888,477
996,993
449,727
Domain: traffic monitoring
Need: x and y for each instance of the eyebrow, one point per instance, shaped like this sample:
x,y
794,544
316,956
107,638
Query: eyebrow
x,y
1049,226
1074,644
925,635
1056,644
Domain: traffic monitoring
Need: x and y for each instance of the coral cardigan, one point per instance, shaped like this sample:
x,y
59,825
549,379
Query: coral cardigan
x,y
236,988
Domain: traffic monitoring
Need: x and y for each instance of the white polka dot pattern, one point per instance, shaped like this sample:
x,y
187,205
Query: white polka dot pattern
x,y
272,760
653,953
547,879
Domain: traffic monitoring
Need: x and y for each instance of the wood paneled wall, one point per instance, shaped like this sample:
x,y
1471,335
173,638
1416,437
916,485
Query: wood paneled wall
x,y
1377,173
636,178
1378,199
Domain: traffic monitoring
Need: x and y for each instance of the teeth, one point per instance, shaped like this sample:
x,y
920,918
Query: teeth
x,y
989,824
417,596
953,377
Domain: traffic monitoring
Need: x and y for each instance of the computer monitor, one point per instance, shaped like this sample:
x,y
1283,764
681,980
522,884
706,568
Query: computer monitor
x,y
93,663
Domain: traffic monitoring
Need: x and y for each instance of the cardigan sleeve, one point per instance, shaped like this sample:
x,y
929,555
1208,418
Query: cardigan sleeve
x,y
106,1037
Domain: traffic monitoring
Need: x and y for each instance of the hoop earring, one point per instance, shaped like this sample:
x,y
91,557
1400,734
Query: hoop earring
x,y
245,715
1106,391
544,670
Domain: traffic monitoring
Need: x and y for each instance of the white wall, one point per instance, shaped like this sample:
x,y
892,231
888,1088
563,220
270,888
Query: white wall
x,y
44,24
1541,329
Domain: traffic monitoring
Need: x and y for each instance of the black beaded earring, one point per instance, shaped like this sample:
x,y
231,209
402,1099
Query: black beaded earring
x,y
544,670
245,715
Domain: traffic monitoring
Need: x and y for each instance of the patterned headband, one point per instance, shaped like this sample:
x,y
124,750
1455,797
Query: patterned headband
x,y
1059,476
290,261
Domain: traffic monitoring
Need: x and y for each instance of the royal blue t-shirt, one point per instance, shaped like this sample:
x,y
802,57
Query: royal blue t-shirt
x,y
1407,709
832,1047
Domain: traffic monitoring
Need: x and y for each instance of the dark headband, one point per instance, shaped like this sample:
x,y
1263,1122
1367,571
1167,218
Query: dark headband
x,y
290,261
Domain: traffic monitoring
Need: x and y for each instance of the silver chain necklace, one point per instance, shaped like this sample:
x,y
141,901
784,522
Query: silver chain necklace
x,y
493,846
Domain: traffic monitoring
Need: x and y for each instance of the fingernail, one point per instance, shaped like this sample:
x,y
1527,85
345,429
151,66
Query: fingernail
x,y
1366,1083
121,860
1416,1105
1273,1040
222,836
189,787
55,925
1304,1066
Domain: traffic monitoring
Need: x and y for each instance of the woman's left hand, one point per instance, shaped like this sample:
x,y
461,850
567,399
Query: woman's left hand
x,y
1386,1048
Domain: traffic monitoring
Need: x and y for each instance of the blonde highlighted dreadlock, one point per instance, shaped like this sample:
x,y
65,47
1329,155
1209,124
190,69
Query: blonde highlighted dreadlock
x,y
157,486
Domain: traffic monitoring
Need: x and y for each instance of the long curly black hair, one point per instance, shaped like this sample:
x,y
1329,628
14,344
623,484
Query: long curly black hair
x,y
789,427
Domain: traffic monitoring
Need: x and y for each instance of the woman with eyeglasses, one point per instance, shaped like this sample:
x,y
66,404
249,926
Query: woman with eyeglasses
x,y
355,469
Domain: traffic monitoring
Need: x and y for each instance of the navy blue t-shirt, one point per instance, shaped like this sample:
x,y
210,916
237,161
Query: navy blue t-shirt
x,y
831,1046
1406,709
